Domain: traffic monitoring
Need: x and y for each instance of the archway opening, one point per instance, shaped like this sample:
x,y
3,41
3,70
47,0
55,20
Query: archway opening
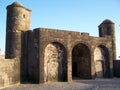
x,y
101,60
55,65
81,66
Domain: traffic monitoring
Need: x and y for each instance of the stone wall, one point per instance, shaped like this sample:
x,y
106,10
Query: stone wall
x,y
33,55
13,45
29,57
9,72
116,65
48,36
69,40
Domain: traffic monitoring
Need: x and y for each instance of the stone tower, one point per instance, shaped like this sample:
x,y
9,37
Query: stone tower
x,y
18,21
107,27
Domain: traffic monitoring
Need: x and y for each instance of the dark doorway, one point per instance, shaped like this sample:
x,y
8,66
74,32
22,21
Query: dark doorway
x,y
74,69
81,59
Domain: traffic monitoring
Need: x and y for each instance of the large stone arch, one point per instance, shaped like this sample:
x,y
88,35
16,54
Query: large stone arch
x,y
55,62
102,62
81,61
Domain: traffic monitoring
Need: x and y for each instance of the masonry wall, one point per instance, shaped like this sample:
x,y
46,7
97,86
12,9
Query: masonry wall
x,y
116,65
69,39
9,72
31,65
33,55
13,45
29,57
48,36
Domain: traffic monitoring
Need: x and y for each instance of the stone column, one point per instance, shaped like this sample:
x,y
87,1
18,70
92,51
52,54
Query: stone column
x,y
69,59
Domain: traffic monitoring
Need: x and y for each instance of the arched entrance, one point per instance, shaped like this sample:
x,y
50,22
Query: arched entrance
x,y
55,65
81,59
101,60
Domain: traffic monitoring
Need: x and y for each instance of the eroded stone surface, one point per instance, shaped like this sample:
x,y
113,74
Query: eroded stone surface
x,y
9,72
54,62
101,61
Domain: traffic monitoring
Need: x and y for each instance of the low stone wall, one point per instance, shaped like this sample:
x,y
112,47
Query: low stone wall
x,y
116,68
9,72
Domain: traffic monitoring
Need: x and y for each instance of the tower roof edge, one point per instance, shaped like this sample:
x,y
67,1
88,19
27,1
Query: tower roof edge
x,y
17,4
107,21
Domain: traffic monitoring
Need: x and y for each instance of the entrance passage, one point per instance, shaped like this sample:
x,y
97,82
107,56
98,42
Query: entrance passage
x,y
55,59
101,60
81,62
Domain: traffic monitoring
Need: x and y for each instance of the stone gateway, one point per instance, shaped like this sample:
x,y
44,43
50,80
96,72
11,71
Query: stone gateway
x,y
50,55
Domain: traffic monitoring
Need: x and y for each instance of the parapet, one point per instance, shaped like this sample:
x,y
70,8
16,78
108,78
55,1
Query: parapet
x,y
85,33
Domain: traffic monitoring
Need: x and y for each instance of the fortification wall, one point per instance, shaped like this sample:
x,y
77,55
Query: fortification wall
x,y
69,40
33,55
9,72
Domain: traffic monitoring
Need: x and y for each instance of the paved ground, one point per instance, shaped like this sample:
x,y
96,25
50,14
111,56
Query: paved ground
x,y
98,84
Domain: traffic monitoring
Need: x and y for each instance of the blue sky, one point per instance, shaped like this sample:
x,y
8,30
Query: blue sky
x,y
74,15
